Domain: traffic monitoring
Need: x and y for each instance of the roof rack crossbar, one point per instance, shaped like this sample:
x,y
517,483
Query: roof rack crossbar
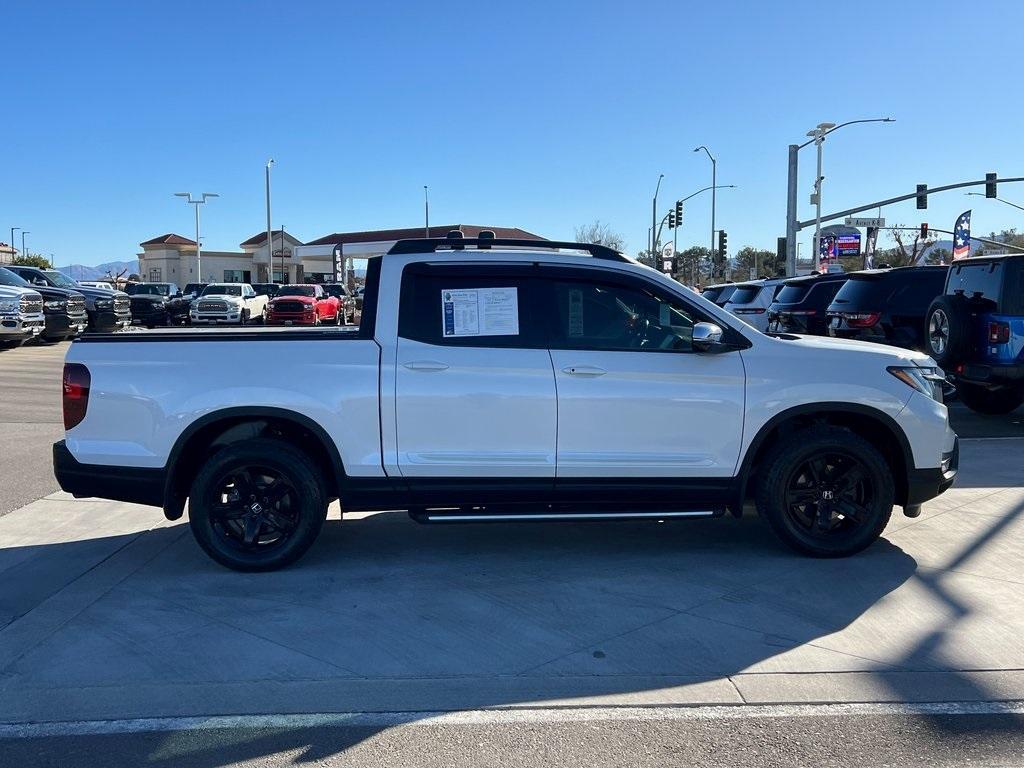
x,y
430,245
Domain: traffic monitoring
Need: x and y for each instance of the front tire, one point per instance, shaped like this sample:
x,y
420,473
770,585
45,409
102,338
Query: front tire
x,y
991,402
825,491
257,505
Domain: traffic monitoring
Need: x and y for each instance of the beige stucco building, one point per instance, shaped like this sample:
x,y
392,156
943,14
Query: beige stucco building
x,y
171,258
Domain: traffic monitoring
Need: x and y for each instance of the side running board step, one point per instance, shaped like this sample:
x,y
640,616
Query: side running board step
x,y
455,517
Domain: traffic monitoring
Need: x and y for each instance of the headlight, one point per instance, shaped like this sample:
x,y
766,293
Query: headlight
x,y
104,303
8,306
56,305
927,381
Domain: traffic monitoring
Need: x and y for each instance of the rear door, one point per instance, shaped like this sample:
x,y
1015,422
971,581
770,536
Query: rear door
x,y
634,399
475,391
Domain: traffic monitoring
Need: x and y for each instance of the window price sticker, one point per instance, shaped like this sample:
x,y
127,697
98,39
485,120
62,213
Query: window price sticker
x,y
479,312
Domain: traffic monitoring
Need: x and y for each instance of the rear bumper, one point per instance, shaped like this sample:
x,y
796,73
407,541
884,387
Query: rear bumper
x,y
137,485
926,484
991,374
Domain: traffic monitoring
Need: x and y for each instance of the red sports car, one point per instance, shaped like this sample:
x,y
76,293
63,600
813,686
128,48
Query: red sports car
x,y
303,305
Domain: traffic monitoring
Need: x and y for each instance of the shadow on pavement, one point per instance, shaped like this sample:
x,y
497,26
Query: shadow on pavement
x,y
386,615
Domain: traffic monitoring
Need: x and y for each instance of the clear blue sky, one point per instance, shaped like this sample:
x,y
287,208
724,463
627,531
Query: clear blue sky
x,y
542,115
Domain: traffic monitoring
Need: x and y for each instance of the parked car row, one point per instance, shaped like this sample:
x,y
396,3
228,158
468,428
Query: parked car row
x,y
968,317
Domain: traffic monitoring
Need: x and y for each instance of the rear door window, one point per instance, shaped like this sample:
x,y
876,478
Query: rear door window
x,y
791,294
471,306
861,293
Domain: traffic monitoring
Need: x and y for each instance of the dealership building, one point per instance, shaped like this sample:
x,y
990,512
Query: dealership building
x,y
171,258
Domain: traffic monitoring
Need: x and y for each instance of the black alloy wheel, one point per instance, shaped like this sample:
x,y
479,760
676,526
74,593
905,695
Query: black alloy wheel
x,y
257,505
825,491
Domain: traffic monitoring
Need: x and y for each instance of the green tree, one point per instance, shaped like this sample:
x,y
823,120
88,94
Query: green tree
x,y
32,260
693,266
763,262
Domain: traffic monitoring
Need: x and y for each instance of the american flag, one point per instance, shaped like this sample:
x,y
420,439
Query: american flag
x,y
962,236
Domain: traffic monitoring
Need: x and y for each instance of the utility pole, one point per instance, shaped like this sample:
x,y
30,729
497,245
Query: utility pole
x,y
24,253
13,247
714,184
654,217
426,212
270,233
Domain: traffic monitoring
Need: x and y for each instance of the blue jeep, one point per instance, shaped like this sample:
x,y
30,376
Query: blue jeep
x,y
975,331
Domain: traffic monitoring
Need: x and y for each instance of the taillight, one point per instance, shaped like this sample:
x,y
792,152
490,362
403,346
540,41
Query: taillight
x,y
998,333
861,319
75,398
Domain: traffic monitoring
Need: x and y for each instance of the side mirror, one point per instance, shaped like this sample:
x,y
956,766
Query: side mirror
x,y
707,337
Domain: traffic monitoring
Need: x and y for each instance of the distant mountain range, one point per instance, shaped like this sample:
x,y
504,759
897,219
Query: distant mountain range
x,y
100,271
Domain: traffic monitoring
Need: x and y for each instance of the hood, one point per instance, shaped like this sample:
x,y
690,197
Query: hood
x,y
218,297
17,291
49,294
99,293
146,297
816,344
302,299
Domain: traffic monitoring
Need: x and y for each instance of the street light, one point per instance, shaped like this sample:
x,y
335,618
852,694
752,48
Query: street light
x,y
12,238
714,183
270,233
817,137
979,194
24,232
654,213
197,203
426,213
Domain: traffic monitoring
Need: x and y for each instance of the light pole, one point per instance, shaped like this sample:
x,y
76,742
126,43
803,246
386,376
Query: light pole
x,y
791,192
270,233
24,232
714,183
818,137
426,212
199,245
979,194
654,216
12,239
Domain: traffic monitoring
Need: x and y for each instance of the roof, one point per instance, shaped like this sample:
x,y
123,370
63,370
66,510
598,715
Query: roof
x,y
410,233
169,239
261,237
824,277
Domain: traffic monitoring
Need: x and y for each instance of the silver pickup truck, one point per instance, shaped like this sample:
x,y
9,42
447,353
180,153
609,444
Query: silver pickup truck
x,y
21,311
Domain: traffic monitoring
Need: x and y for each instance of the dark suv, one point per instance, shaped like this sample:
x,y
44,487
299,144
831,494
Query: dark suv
x,y
719,294
106,310
975,331
800,305
886,305
156,304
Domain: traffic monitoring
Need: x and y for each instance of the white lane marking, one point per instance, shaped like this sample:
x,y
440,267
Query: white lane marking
x,y
498,717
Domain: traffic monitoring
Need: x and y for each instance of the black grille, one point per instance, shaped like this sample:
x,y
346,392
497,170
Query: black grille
x,y
76,305
289,306
212,306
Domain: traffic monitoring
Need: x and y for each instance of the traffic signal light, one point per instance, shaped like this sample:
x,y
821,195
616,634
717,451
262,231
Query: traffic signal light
x,y
723,241
922,196
679,213
671,220
990,185
924,231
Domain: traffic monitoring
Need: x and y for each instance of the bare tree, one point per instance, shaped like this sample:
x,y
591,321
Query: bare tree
x,y
901,256
600,234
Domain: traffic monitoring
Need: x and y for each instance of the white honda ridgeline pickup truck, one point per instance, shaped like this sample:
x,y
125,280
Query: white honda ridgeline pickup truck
x,y
505,380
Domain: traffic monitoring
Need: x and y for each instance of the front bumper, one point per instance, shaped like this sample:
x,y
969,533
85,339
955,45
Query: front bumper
x,y
106,320
156,316
138,485
228,319
63,326
926,484
19,327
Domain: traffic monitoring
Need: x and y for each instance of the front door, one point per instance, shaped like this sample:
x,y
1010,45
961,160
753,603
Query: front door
x,y
475,392
634,399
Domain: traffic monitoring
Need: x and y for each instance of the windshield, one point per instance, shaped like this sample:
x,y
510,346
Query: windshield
x,y
148,290
9,278
297,290
222,290
60,279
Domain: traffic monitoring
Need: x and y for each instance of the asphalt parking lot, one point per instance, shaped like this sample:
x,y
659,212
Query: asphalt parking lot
x,y
112,615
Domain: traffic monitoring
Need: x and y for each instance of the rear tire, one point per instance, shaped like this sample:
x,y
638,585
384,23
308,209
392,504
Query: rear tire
x,y
947,330
257,505
991,402
825,491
